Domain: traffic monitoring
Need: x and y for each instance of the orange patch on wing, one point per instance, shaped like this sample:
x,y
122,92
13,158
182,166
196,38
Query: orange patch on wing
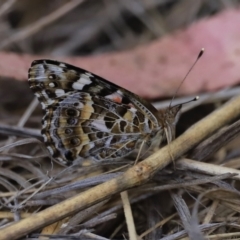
x,y
115,98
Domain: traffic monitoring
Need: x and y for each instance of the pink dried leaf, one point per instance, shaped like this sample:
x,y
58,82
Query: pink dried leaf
x,y
156,69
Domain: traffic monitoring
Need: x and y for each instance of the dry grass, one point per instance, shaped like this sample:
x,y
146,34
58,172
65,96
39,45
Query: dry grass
x,y
196,197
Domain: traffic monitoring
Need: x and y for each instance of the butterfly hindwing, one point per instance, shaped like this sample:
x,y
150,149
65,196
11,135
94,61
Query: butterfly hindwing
x,y
87,116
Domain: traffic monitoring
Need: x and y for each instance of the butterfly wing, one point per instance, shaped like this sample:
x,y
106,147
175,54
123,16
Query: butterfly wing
x,y
87,116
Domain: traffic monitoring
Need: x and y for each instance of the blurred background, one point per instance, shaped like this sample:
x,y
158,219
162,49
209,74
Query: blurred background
x,y
80,28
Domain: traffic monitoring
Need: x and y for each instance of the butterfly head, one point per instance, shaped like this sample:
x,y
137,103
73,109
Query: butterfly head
x,y
168,120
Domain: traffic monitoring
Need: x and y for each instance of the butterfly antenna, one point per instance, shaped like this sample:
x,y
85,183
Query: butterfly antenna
x,y
196,98
192,100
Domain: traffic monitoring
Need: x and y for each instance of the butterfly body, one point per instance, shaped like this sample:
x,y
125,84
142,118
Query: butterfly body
x,y
88,117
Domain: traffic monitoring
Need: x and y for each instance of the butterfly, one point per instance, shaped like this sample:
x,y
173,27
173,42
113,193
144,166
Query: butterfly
x,y
87,116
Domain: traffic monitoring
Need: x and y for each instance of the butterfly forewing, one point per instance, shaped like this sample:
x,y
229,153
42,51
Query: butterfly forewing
x,y
87,116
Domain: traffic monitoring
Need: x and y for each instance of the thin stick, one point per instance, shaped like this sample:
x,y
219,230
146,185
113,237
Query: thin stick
x,y
128,216
5,7
139,152
28,112
134,176
41,23
20,131
207,168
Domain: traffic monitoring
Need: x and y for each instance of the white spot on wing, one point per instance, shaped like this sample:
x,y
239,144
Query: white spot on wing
x,y
51,84
61,160
91,145
50,101
81,82
43,105
120,92
80,105
40,78
59,92
100,125
44,138
133,109
116,97
84,79
77,86
107,143
50,150
44,124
